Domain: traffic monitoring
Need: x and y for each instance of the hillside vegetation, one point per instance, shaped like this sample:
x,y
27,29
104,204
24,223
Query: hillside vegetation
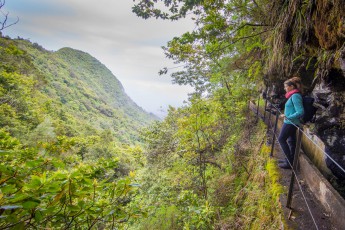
x,y
71,156
68,88
68,132
205,166
237,50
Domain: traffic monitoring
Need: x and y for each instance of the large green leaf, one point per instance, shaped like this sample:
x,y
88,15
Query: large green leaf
x,y
30,204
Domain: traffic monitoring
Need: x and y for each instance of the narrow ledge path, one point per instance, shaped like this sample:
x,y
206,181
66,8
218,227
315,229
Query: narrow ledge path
x,y
306,212
299,217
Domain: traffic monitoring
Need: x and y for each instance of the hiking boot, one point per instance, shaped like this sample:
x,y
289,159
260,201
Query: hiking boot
x,y
284,165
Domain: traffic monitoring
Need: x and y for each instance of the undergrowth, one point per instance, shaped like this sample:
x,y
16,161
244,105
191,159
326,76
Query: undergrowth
x,y
254,200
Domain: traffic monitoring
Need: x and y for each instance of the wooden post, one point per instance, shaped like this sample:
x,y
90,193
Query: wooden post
x,y
294,167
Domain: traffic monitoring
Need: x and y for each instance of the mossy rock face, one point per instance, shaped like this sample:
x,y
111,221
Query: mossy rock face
x,y
341,60
330,122
329,23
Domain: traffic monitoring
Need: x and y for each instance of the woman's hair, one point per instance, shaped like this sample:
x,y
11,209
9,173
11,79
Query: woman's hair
x,y
296,82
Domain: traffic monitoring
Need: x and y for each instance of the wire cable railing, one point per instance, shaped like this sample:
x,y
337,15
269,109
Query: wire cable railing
x,y
307,136
294,173
293,165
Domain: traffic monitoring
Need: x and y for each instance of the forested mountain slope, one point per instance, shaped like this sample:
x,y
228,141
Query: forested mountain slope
x,y
69,137
76,90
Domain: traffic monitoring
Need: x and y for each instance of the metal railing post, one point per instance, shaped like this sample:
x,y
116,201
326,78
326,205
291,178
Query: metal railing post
x,y
294,167
269,118
274,133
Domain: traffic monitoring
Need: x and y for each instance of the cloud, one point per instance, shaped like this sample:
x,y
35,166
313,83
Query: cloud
x,y
147,91
109,31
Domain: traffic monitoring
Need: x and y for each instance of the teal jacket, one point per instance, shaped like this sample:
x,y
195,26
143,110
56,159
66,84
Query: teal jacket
x,y
294,109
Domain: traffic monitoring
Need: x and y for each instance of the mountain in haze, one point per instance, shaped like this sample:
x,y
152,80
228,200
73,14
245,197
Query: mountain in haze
x,y
74,90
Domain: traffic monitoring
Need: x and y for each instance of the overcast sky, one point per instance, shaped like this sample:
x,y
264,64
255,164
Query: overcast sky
x,y
108,30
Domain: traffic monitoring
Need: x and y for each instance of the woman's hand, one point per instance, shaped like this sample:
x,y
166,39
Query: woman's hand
x,y
282,115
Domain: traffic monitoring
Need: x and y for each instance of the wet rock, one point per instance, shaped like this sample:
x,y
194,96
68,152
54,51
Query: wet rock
x,y
336,80
325,122
334,109
329,96
335,142
321,94
341,60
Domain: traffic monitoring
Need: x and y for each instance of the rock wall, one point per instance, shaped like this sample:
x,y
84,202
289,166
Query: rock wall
x,y
313,46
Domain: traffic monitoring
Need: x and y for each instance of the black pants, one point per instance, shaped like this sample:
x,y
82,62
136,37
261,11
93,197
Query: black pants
x,y
287,140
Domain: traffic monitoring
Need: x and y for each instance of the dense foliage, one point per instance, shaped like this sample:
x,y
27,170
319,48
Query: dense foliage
x,y
265,42
68,89
45,190
65,165
66,126
205,171
236,49
209,155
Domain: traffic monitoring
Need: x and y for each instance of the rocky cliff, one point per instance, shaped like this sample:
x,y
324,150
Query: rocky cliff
x,y
310,41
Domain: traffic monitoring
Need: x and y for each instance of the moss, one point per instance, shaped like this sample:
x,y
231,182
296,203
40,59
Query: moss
x,y
328,19
305,30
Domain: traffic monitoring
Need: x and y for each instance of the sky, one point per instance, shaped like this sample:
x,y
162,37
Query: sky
x,y
108,30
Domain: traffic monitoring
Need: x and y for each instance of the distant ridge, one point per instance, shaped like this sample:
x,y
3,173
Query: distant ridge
x,y
101,80
84,92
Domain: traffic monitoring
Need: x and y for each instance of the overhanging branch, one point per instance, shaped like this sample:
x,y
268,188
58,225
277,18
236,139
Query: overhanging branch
x,y
3,23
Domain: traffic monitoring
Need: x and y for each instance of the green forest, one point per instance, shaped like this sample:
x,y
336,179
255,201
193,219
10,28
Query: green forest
x,y
78,153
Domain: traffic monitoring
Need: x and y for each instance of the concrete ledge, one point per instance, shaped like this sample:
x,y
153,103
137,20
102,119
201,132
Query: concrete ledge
x,y
324,192
314,153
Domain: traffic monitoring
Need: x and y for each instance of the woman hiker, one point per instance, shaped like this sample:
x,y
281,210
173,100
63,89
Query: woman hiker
x,y
292,113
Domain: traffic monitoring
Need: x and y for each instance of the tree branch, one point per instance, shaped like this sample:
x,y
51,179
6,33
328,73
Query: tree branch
x,y
237,40
5,15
